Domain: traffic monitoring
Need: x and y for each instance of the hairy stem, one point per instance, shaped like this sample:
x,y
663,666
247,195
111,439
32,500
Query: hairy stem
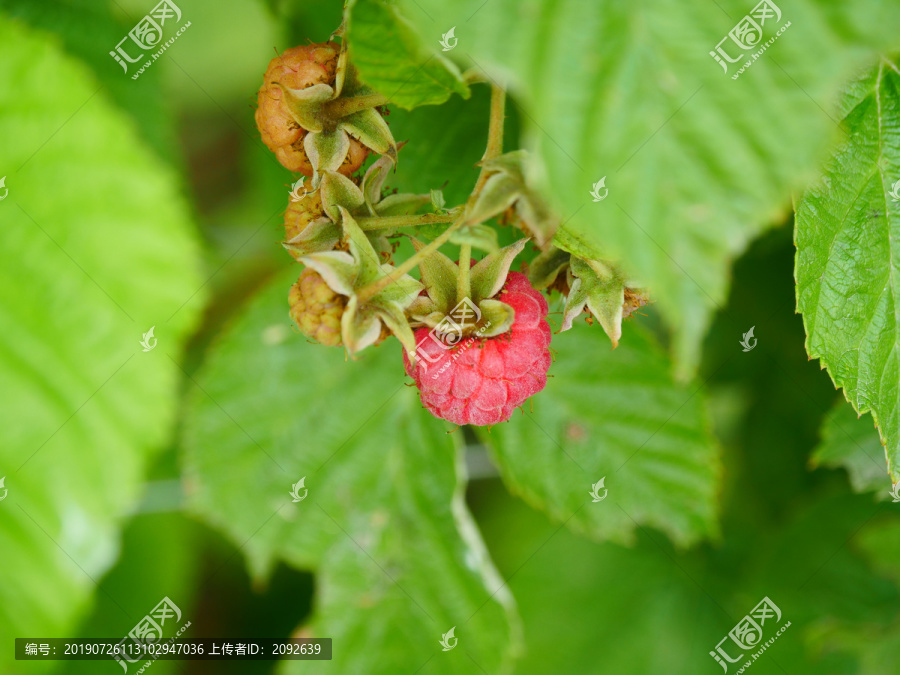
x,y
463,287
342,107
388,222
495,135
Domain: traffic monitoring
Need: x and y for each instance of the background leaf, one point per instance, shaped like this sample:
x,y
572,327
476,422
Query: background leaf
x,y
846,268
96,226
384,520
853,444
391,58
616,414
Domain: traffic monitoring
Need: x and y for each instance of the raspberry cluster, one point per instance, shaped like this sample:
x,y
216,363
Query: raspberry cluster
x,y
475,335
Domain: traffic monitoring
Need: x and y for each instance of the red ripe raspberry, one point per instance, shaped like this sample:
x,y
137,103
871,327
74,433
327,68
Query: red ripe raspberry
x,y
298,68
482,380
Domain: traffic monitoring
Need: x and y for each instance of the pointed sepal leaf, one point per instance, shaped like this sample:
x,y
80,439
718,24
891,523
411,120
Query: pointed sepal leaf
x,y
339,191
326,151
545,269
360,327
489,275
601,290
320,235
479,236
394,318
496,318
365,256
439,274
337,268
500,191
402,290
305,105
512,182
370,129
373,181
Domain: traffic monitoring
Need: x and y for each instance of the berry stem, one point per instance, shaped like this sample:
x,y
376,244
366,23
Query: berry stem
x,y
341,107
388,222
495,135
463,287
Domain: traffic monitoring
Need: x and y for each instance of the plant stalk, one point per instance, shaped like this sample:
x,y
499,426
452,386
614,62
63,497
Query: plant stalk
x,y
388,222
463,287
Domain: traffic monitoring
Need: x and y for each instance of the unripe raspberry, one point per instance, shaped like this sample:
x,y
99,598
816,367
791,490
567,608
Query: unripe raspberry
x,y
298,68
316,308
301,213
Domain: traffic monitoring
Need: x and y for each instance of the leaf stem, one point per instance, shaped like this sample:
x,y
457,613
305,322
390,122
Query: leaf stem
x,y
388,222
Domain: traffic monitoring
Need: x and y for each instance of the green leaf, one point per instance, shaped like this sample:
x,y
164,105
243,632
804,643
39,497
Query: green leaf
x,y
384,523
392,58
846,235
614,414
97,248
697,164
853,444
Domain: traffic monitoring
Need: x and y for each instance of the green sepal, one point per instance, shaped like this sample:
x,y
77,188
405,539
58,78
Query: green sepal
x,y
496,318
326,151
336,190
602,290
306,105
343,64
479,236
489,275
360,327
393,317
402,290
373,181
510,183
338,269
370,129
545,268
512,163
439,275
574,243
381,244
438,203
421,309
500,191
320,235
364,254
